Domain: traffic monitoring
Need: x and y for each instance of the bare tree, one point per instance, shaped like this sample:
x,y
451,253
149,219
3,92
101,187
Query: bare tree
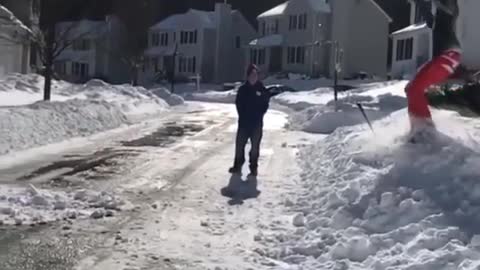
x,y
49,42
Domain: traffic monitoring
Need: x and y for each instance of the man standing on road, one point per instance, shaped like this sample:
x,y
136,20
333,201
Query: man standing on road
x,y
252,103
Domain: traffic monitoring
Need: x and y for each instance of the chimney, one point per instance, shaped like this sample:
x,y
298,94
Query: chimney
x,y
224,42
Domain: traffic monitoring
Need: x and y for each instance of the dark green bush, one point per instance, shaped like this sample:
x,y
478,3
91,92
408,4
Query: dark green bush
x,y
464,99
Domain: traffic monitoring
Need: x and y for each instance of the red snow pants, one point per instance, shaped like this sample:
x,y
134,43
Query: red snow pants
x,y
436,71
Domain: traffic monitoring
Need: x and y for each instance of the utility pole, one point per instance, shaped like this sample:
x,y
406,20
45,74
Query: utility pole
x,y
174,58
338,53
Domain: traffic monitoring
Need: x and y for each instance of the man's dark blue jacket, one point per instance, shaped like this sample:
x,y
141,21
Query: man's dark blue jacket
x,y
252,103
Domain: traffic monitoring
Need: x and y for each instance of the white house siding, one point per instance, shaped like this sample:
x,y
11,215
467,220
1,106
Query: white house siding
x,y
301,37
11,58
208,56
367,52
242,29
469,24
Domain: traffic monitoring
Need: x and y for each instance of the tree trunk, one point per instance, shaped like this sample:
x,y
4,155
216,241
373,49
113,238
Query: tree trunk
x,y
48,50
134,76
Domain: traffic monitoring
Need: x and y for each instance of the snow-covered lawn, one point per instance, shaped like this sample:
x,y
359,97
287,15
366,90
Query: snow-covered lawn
x,y
75,109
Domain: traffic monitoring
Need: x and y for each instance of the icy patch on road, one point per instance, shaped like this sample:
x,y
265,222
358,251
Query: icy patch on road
x,y
376,202
27,206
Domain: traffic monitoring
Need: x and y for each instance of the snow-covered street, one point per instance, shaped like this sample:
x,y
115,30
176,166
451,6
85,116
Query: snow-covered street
x,y
154,193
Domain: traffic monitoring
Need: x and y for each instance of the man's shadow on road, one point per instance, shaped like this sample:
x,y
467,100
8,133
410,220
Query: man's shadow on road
x,y
239,191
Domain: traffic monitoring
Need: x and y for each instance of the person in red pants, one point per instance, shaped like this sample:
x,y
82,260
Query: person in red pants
x,y
446,58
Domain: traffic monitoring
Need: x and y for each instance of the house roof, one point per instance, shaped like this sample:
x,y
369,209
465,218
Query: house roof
x,y
85,27
204,19
278,10
268,41
317,5
10,21
411,28
381,10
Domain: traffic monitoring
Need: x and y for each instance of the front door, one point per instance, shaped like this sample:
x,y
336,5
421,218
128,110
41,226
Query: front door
x,y
275,59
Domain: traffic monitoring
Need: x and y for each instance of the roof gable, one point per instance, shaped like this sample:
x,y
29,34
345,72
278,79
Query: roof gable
x,y
316,5
200,18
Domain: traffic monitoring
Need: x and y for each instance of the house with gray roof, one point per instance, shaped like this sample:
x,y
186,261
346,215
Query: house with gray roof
x,y
96,51
298,36
208,43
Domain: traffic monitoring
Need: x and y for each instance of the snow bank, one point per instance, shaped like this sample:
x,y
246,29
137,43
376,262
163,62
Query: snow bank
x,y
23,89
373,201
302,100
327,118
48,122
27,206
171,99
76,109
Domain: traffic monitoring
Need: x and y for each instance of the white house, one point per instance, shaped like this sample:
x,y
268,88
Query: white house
x,y
209,43
14,44
96,51
412,46
299,36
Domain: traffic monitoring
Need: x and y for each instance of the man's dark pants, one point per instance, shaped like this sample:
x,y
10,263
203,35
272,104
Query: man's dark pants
x,y
254,134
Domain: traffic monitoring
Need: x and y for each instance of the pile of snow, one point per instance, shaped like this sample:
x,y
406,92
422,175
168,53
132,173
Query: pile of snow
x,y
165,94
302,100
23,89
304,83
373,201
305,99
213,96
27,206
43,123
75,110
345,112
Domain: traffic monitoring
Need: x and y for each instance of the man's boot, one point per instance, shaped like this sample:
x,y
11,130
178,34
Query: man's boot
x,y
253,170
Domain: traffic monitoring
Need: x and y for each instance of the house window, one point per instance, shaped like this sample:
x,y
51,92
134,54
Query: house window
x,y
191,67
80,69
155,39
302,21
404,49
293,23
300,57
277,23
296,55
164,39
237,42
187,64
81,45
188,37
257,56
264,28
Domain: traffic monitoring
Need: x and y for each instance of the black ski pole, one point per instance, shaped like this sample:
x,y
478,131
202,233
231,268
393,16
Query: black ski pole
x,y
360,107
